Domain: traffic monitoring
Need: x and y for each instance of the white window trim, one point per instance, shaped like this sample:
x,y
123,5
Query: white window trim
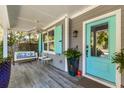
x,y
47,51
118,45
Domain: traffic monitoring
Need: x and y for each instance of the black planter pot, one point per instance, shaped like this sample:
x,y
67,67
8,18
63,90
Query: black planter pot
x,y
73,65
5,69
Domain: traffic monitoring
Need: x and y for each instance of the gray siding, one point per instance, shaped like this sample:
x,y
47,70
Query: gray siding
x,y
76,24
59,60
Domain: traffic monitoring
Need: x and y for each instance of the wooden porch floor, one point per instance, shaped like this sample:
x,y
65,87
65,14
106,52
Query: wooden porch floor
x,y
36,75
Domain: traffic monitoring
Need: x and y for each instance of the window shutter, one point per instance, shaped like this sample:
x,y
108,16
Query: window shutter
x,y
58,39
40,43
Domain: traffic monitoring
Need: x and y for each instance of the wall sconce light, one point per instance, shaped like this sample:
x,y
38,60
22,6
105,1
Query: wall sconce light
x,y
75,33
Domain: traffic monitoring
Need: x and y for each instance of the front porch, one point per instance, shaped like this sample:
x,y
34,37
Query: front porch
x,y
38,75
38,33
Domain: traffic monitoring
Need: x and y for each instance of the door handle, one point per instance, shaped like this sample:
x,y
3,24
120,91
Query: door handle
x,y
60,40
86,53
87,46
87,50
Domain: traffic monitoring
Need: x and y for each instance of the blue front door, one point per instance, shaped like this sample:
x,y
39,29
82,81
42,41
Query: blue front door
x,y
100,46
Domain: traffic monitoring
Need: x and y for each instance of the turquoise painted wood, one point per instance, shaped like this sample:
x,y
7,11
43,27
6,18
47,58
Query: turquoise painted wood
x,y
58,39
98,66
40,43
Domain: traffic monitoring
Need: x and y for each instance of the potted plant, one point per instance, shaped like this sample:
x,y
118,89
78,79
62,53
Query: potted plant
x,y
73,56
118,58
5,68
5,62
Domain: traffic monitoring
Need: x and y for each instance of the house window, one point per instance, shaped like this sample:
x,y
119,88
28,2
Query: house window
x,y
48,41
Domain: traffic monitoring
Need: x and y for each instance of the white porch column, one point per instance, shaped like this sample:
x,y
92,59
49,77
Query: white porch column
x,y
66,39
5,24
5,45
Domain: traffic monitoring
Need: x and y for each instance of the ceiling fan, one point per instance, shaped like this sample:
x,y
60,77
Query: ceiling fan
x,y
37,28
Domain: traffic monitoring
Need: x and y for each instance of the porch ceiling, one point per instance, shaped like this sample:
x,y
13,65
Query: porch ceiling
x,y
25,17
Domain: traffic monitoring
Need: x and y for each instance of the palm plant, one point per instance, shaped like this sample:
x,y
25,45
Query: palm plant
x,y
118,58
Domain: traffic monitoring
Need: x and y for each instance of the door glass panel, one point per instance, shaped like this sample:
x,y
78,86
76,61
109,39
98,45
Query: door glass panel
x,y
99,40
